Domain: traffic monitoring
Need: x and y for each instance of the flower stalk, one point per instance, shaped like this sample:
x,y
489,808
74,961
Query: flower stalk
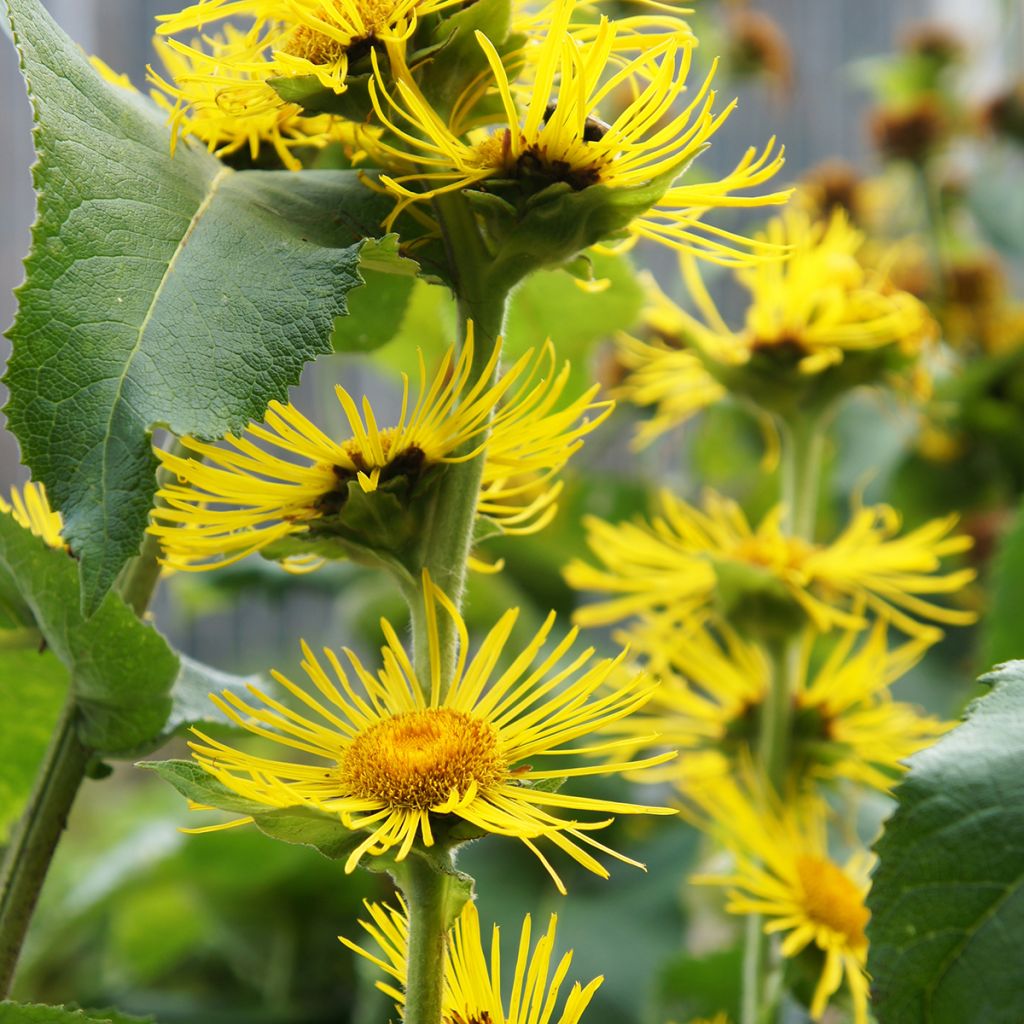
x,y
26,860
36,837
447,534
426,892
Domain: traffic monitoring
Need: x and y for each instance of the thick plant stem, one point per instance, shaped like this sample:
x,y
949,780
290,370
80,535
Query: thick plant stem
x,y
35,840
803,447
448,533
26,860
426,895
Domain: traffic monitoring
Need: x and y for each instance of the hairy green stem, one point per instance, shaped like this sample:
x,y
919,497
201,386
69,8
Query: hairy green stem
x,y
426,895
35,839
447,534
26,860
803,448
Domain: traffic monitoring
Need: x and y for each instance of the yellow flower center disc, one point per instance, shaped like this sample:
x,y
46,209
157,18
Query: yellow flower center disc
x,y
831,899
419,758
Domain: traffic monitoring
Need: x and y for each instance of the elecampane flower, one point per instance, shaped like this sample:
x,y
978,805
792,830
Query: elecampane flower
x,y
239,498
675,563
310,37
559,136
807,315
396,757
473,981
714,684
209,96
783,872
29,507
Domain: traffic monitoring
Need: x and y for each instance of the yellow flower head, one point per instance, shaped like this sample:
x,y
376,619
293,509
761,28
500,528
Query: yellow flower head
x,y
686,558
29,507
238,498
783,872
559,137
321,38
211,94
714,685
399,759
473,993
819,316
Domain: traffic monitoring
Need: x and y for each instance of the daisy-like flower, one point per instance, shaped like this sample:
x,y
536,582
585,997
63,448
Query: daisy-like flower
x,y
397,758
559,138
310,37
680,560
783,871
29,507
211,95
473,993
714,684
821,320
238,498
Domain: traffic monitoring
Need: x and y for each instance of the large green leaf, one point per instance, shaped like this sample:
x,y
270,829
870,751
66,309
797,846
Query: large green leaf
x,y
23,1013
163,292
33,687
121,669
947,900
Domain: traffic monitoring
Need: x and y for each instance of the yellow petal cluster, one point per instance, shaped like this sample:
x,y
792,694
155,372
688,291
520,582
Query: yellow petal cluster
x,y
396,758
473,981
674,563
281,477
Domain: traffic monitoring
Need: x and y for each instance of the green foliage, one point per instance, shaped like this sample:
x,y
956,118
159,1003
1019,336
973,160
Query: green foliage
x,y
121,670
22,1013
33,686
947,900
138,296
376,308
701,986
1001,637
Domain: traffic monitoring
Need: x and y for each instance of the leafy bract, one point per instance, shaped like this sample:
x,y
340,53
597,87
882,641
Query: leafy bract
x,y
159,291
121,670
947,899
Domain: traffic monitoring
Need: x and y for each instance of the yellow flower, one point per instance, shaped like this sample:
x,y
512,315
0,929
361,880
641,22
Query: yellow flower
x,y
682,560
401,765
30,508
212,94
714,684
783,872
560,138
238,498
819,316
310,37
473,993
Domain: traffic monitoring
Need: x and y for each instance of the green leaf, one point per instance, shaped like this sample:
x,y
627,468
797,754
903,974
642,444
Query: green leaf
x,y
23,1013
947,899
460,57
33,688
550,304
121,670
303,826
1000,626
376,308
190,695
163,292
